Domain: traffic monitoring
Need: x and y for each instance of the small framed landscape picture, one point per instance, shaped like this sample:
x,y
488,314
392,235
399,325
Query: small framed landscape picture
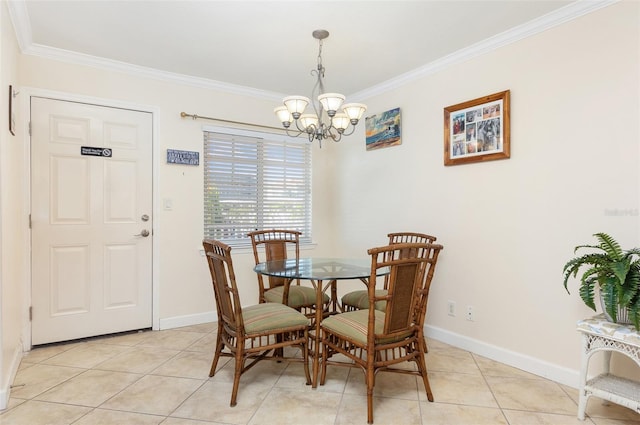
x,y
383,130
477,130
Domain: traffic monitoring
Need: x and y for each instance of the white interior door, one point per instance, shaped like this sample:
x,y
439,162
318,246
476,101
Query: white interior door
x,y
91,205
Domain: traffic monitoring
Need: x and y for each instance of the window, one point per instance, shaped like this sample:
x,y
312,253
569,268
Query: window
x,y
253,181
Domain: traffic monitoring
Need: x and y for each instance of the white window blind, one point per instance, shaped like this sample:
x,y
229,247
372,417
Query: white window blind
x,y
255,181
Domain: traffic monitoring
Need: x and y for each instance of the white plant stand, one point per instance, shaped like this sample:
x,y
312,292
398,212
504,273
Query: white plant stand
x,y
598,334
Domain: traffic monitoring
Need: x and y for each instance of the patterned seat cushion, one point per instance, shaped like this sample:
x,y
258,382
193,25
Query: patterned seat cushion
x,y
299,296
271,316
360,299
354,326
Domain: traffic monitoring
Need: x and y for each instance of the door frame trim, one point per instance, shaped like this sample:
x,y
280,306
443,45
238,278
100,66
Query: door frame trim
x,y
25,111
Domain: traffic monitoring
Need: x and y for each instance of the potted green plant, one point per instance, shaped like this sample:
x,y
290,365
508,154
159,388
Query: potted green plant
x,y
615,272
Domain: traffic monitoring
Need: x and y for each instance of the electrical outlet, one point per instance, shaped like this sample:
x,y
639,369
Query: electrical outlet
x,y
451,308
470,313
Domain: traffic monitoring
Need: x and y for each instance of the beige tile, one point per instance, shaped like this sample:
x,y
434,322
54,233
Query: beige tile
x,y
85,355
293,377
598,408
211,403
353,410
446,414
112,417
286,406
90,388
607,421
40,354
451,360
387,384
13,402
206,344
176,364
138,360
39,378
490,367
186,364
459,388
170,339
533,395
181,421
43,413
208,327
128,339
519,417
156,395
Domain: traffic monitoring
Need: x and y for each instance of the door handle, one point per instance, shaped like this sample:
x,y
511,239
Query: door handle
x,y
144,233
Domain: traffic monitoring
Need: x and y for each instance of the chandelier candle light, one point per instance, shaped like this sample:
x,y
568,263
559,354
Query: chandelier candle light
x,y
316,125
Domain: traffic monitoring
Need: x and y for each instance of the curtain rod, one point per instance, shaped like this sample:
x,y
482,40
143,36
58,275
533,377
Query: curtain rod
x,y
195,117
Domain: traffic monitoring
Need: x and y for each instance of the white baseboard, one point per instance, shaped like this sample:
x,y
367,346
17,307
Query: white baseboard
x,y
5,391
559,374
188,320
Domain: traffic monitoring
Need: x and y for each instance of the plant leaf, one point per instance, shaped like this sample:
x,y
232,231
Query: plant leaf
x,y
634,313
620,269
587,292
609,245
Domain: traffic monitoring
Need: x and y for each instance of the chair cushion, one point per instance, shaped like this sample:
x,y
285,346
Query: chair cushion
x,y
271,316
299,296
353,325
360,299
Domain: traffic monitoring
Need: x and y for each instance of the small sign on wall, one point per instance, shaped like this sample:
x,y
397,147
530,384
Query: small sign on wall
x,y
183,157
94,151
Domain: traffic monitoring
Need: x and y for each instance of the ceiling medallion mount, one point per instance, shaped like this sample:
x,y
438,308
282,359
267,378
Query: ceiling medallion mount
x,y
331,118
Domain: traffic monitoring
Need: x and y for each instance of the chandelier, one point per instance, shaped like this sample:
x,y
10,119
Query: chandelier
x,y
331,118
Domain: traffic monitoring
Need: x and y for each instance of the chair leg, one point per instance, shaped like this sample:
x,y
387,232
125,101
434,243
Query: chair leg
x,y
218,351
323,364
422,367
370,378
239,360
305,355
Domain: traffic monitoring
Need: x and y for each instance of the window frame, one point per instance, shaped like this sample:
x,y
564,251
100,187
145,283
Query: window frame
x,y
264,139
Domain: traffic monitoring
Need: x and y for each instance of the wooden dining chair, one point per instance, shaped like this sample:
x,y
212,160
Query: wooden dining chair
x,y
251,333
357,300
376,340
276,244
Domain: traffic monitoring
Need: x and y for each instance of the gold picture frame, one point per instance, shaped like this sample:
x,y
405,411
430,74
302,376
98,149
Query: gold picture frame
x,y
478,130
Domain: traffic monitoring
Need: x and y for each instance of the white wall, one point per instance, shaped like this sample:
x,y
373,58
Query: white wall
x,y
507,226
13,218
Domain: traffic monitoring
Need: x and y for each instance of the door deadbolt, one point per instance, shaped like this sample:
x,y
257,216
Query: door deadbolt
x,y
145,217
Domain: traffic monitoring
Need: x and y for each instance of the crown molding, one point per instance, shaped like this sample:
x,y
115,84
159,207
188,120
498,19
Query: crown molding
x,y
20,18
21,24
543,23
141,71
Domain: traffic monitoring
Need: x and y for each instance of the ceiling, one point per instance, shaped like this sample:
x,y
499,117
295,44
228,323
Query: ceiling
x,y
268,46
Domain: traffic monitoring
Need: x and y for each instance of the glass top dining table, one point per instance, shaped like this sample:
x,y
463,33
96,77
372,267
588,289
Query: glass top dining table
x,y
317,270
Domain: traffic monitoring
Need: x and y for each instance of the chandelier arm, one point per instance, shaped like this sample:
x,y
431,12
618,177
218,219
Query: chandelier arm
x,y
293,134
335,137
352,127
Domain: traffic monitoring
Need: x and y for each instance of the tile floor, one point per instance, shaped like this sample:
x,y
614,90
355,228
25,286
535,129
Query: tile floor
x,y
162,378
